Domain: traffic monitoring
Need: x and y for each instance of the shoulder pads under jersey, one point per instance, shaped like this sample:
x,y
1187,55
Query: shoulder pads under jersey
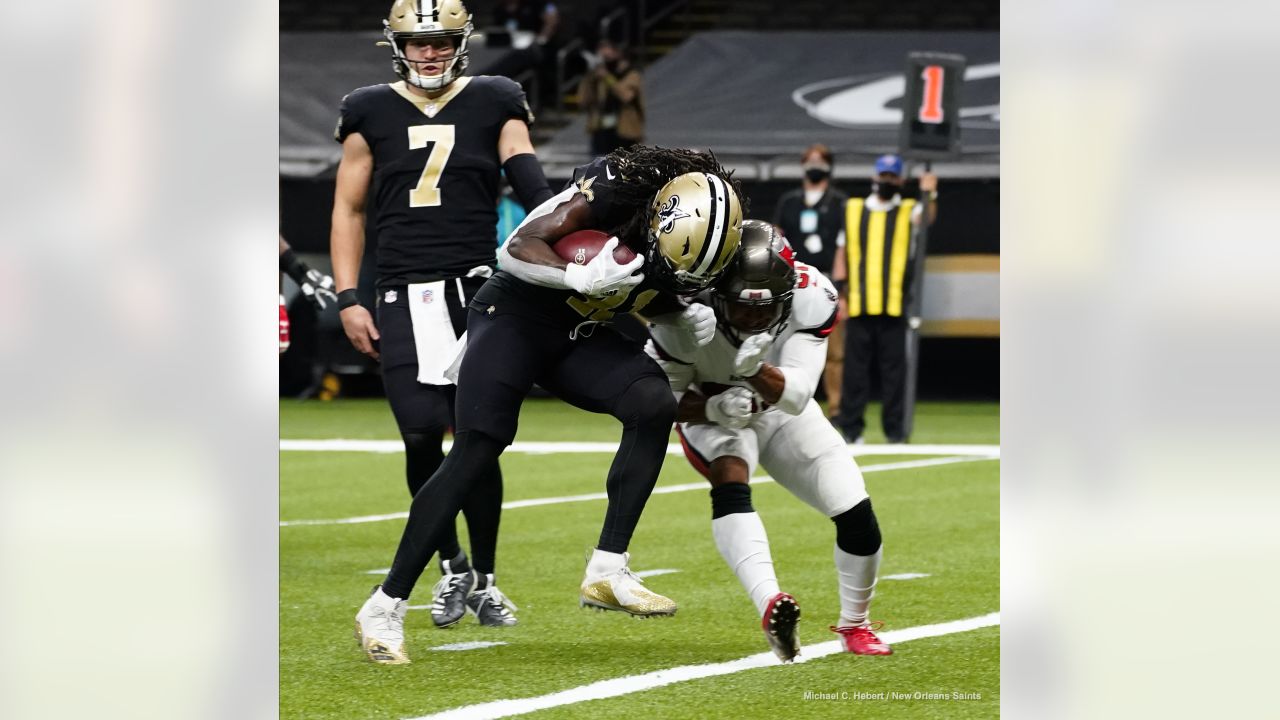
x,y
815,301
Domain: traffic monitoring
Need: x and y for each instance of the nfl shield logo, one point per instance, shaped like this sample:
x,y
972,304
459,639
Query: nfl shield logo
x,y
427,296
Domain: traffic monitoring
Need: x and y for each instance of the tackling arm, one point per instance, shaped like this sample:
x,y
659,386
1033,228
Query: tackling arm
x,y
692,408
789,386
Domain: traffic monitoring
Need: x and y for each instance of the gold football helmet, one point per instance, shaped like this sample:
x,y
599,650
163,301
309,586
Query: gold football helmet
x,y
695,226
410,19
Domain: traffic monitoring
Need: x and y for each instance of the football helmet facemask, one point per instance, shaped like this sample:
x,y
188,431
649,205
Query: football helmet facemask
x,y
427,19
695,225
754,296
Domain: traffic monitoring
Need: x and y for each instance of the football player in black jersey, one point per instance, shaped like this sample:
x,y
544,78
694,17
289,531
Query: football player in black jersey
x,y
540,319
426,153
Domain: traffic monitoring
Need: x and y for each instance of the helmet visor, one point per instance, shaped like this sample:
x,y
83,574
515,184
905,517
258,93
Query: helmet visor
x,y
753,318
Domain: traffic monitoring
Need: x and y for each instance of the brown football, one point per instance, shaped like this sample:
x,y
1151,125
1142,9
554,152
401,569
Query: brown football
x,y
581,246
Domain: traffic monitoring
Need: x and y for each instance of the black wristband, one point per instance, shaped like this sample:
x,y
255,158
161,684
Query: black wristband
x,y
347,298
525,175
293,267
841,285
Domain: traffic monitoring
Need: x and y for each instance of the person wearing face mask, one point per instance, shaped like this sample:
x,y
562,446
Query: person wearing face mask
x,y
612,96
874,273
811,217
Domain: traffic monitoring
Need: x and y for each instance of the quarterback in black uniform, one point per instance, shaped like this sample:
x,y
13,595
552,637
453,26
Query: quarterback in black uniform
x,y
426,152
540,319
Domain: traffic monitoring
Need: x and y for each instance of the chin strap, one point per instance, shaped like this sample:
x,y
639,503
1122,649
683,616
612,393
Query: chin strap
x,y
446,79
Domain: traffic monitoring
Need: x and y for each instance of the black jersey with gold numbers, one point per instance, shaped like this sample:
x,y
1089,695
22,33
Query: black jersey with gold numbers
x,y
435,173
505,293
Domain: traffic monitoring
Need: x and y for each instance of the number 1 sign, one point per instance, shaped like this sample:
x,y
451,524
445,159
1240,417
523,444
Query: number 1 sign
x,y
930,118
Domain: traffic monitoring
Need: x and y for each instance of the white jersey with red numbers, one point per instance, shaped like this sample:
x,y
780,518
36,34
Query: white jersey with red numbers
x,y
792,439
799,349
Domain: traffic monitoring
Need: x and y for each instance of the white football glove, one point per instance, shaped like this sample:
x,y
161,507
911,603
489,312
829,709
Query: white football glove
x,y
318,288
731,408
602,275
751,355
700,321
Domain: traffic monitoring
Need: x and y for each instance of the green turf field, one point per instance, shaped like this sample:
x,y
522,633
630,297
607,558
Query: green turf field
x,y
940,520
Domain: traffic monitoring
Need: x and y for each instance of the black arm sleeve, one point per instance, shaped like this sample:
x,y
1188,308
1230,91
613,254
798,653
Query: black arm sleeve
x,y
526,178
292,266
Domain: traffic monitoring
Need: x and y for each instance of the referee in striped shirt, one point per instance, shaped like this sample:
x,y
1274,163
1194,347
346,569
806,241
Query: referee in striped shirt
x,y
873,272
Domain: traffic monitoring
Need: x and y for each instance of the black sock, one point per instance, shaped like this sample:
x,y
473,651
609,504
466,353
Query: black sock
x,y
857,531
730,498
457,564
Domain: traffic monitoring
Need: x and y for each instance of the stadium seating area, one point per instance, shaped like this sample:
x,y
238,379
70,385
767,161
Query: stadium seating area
x,y
700,14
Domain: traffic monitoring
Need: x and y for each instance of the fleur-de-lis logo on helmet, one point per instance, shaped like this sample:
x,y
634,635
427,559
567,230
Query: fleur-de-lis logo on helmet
x,y
669,213
690,246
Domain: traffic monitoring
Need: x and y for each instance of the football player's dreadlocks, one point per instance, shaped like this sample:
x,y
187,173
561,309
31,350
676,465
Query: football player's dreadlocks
x,y
644,169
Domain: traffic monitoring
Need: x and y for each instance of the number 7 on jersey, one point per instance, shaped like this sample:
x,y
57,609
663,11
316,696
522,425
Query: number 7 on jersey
x,y
427,191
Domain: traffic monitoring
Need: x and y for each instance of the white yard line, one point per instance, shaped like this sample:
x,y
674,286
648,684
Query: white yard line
x,y
657,572
662,490
543,448
905,576
648,681
473,645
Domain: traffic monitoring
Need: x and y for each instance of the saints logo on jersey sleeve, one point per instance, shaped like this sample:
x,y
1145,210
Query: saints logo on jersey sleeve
x,y
584,187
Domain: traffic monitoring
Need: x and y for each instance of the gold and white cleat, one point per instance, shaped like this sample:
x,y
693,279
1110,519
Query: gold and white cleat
x,y
621,590
380,628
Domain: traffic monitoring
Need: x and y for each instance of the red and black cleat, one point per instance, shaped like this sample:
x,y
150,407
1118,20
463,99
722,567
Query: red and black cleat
x,y
861,640
781,616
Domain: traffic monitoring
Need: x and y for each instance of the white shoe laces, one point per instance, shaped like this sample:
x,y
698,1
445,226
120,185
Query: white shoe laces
x,y
447,585
386,624
630,582
500,602
625,573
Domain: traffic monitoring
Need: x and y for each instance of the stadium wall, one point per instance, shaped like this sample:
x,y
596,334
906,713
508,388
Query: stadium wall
x,y
960,355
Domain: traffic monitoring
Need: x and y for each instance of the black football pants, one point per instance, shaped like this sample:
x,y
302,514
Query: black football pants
x,y
424,413
601,372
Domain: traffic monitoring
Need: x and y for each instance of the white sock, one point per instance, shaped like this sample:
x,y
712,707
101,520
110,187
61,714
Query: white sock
x,y
745,546
857,577
603,563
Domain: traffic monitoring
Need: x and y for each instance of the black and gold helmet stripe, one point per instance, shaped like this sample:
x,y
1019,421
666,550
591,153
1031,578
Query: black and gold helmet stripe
x,y
724,249
713,243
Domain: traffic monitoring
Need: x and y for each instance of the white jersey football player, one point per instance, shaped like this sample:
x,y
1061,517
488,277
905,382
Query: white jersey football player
x,y
746,398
